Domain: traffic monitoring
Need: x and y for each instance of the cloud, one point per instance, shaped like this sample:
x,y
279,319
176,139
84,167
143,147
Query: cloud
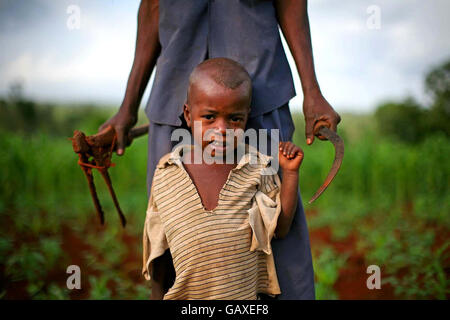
x,y
91,63
358,67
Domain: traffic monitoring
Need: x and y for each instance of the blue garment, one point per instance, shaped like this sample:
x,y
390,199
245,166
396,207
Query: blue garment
x,y
243,30
292,254
247,32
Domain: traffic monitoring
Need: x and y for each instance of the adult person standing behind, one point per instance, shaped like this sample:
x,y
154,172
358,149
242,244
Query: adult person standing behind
x,y
176,36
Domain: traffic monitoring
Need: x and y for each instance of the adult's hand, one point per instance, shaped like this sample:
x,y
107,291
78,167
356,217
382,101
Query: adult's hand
x,y
294,22
121,122
318,112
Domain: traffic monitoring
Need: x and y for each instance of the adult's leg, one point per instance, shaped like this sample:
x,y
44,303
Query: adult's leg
x,y
292,254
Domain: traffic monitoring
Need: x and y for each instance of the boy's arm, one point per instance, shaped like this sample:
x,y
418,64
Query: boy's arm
x,y
294,22
289,200
162,276
146,53
290,157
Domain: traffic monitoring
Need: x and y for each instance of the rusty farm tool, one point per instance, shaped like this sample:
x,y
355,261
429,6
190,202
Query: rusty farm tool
x,y
338,144
95,152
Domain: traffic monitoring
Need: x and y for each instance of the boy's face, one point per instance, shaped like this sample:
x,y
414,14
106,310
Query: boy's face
x,y
218,109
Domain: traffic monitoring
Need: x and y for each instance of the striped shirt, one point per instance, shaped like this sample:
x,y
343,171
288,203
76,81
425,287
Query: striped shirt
x,y
224,253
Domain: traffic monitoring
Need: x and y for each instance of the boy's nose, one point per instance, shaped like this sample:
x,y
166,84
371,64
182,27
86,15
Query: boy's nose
x,y
221,126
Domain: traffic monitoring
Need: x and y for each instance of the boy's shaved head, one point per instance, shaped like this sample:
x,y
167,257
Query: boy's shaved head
x,y
219,98
224,72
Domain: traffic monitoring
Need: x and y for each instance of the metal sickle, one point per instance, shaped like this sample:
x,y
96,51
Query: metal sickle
x,y
339,155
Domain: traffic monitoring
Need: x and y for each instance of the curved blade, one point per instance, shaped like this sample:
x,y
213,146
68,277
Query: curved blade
x,y
339,155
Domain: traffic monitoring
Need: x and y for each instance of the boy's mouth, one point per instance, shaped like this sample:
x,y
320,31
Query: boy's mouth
x,y
218,145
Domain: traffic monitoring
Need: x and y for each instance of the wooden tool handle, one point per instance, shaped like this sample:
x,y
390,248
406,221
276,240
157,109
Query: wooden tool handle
x,y
138,131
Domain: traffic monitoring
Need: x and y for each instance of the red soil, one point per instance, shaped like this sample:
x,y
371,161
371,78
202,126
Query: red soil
x,y
351,283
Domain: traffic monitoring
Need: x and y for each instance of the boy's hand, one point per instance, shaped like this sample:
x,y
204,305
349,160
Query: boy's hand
x,y
290,156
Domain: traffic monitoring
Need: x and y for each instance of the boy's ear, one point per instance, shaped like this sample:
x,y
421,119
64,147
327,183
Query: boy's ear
x,y
187,114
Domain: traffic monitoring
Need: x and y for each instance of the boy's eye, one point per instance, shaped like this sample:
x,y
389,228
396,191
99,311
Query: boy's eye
x,y
236,119
208,116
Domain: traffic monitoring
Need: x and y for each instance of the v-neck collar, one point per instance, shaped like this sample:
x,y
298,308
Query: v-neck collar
x,y
251,156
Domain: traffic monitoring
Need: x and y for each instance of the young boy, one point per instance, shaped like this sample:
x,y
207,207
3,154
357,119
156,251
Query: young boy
x,y
214,221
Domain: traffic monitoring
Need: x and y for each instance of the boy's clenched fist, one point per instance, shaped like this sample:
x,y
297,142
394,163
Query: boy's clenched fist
x,y
290,156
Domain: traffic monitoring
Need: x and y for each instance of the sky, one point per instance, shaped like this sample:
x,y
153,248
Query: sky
x,y
365,51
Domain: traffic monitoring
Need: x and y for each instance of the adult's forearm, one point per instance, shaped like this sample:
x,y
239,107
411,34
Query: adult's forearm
x,y
294,23
146,53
